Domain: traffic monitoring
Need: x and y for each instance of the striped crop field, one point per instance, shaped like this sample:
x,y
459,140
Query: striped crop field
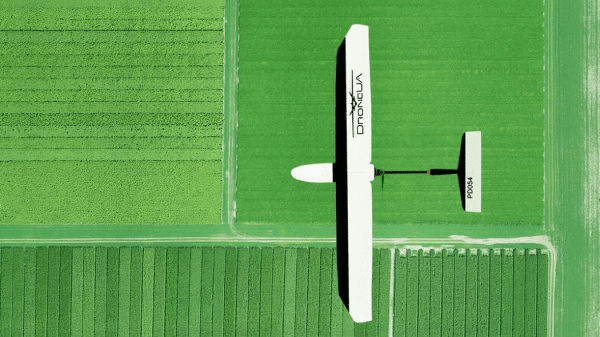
x,y
111,113
437,71
266,291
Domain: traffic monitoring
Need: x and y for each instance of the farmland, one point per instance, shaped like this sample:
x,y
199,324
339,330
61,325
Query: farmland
x,y
436,71
111,114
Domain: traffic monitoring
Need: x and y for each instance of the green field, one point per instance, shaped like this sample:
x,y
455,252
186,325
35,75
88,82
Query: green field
x,y
111,114
437,70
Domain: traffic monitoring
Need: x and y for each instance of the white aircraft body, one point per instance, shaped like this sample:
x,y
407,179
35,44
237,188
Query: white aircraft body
x,y
360,173
357,172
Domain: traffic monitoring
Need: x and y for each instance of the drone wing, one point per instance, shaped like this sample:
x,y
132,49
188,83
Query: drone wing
x,y
354,105
360,247
358,96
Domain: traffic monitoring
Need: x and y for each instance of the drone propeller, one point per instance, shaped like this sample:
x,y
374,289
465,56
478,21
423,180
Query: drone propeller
x,y
382,172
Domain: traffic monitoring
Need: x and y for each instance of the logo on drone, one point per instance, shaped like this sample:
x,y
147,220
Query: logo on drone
x,y
357,106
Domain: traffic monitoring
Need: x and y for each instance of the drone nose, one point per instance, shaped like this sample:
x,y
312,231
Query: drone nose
x,y
314,173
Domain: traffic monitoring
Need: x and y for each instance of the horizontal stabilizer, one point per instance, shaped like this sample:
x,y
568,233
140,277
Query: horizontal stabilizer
x,y
470,171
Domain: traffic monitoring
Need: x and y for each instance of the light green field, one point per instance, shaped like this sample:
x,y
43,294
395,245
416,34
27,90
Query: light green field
x,y
111,114
437,70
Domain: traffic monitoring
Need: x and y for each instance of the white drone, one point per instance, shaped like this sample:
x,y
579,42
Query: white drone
x,y
353,173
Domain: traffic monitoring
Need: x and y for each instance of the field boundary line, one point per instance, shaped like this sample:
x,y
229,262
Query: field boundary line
x,y
591,145
550,155
230,122
392,271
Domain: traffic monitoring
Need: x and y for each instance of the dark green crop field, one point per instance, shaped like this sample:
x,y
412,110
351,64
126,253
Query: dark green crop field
x,y
266,291
438,69
111,113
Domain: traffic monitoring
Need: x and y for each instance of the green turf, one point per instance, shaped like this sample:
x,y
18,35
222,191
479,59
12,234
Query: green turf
x,y
437,70
111,113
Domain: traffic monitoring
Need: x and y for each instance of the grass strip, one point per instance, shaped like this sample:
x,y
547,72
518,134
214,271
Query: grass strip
x,y
506,320
147,290
382,313
112,292
89,294
135,299
124,289
372,326
471,292
231,267
412,292
18,289
160,280
77,296
519,294
337,306
241,314
495,291
278,291
483,293
29,301
208,260
301,291
424,292
435,319
41,291
400,285
460,279
218,291
171,291
254,291
100,296
314,269
183,291
6,291
542,294
447,292
195,290
266,290
325,292
289,296
54,290
531,279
